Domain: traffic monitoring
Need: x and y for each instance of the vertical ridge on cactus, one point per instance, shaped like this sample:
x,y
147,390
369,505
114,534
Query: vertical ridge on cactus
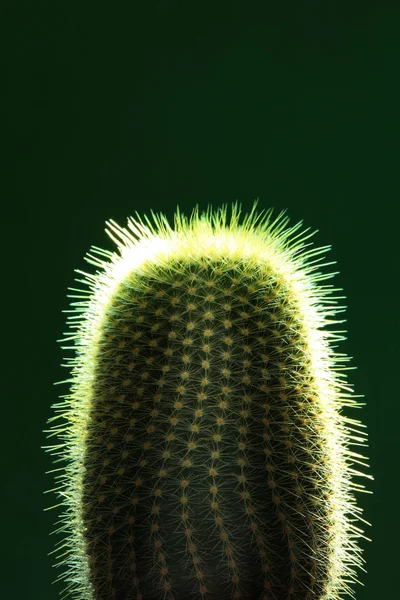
x,y
204,451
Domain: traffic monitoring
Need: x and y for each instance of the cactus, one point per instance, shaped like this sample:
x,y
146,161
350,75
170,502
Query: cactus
x,y
205,453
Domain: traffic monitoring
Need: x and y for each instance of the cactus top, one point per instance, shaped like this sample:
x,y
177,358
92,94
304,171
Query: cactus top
x,y
206,455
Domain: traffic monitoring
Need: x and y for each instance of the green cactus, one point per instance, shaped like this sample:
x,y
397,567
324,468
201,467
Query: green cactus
x,y
205,453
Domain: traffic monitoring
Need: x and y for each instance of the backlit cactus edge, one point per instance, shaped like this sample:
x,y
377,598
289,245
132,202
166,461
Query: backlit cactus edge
x,y
204,451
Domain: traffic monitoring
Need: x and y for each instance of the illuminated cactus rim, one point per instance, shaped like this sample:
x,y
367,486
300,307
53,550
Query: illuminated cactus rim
x,y
205,453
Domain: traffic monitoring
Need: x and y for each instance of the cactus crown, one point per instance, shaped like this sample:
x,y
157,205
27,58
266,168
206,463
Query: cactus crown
x,y
205,452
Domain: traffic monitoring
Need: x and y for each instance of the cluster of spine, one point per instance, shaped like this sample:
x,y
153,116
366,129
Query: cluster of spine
x,y
208,457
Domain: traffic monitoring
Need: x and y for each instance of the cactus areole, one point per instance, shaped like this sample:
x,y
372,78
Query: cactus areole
x,y
204,451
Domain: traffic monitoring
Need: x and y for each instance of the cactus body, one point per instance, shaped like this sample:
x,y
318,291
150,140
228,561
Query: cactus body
x,y
206,456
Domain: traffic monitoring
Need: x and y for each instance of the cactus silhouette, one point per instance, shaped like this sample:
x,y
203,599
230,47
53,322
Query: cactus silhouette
x,y
205,453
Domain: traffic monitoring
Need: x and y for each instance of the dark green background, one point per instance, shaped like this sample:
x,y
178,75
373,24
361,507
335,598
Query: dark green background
x,y
114,108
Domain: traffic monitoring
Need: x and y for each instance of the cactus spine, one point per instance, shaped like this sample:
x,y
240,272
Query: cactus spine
x,y
205,453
